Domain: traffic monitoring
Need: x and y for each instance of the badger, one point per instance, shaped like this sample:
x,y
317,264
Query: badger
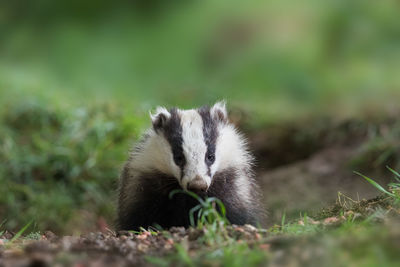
x,y
196,150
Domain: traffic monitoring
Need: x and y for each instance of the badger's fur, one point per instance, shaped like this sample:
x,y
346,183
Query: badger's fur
x,y
196,150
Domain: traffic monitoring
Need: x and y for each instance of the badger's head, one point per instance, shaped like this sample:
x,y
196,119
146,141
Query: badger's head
x,y
189,139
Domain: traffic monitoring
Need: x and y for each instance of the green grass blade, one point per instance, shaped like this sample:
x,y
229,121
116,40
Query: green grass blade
x,y
174,192
394,185
191,214
190,193
283,219
20,232
396,174
1,225
183,255
221,207
156,261
376,185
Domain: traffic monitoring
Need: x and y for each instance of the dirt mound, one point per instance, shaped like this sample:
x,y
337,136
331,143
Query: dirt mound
x,y
303,166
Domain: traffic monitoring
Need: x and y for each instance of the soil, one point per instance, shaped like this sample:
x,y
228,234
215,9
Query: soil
x,y
106,249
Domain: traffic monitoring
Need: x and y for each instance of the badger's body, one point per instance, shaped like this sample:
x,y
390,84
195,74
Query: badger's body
x,y
196,150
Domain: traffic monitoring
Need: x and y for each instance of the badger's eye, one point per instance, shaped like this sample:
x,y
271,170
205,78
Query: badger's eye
x,y
210,158
179,159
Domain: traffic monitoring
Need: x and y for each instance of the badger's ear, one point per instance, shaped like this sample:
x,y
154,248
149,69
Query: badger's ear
x,y
159,118
218,111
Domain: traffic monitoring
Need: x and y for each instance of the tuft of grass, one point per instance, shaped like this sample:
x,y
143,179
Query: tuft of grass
x,y
208,216
376,185
209,211
217,246
237,254
394,187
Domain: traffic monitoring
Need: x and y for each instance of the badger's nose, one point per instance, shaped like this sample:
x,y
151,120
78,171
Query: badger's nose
x,y
198,185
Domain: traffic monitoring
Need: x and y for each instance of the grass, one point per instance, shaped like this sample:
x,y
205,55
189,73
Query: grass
x,y
19,235
59,167
1,226
359,232
208,216
209,211
394,187
235,254
218,246
20,232
304,225
340,239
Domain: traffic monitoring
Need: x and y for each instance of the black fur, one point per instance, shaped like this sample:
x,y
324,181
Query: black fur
x,y
210,133
172,130
152,206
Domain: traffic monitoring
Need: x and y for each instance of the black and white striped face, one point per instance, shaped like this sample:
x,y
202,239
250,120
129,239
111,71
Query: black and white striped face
x,y
192,137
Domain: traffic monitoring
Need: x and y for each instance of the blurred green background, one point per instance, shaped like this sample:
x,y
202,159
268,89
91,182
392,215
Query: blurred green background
x,y
77,79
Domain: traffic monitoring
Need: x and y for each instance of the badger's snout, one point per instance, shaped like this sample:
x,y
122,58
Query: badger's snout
x,y
198,184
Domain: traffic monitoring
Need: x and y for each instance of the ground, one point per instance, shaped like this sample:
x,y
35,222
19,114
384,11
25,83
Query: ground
x,y
320,211
335,239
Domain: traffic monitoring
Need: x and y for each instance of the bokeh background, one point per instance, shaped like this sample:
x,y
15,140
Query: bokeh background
x,y
77,79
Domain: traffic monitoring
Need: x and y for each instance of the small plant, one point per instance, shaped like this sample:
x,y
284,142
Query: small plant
x,y
394,187
209,211
34,236
208,216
